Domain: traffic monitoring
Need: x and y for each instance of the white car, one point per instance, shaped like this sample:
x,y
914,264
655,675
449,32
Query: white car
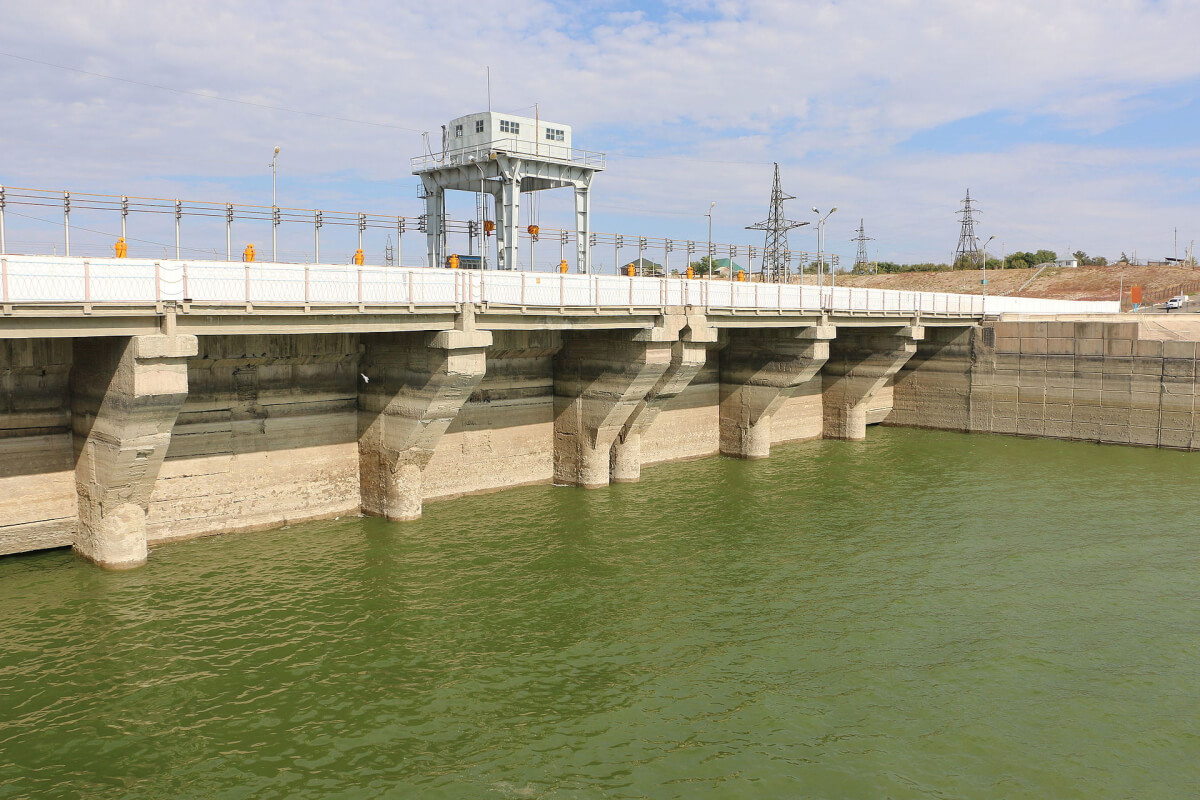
x,y
1175,302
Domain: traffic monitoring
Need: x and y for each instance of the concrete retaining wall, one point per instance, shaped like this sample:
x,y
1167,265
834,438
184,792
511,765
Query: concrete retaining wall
x,y
1081,380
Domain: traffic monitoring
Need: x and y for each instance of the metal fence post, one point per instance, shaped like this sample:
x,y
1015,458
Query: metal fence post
x,y
67,221
178,217
229,231
87,282
3,246
318,221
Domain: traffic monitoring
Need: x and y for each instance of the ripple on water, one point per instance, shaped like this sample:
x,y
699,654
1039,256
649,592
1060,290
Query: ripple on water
x,y
918,615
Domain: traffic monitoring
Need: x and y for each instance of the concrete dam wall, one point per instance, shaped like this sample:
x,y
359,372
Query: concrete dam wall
x,y
1117,382
109,443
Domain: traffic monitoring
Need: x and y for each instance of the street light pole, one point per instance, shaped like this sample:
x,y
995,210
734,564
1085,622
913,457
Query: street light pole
x,y
274,209
984,264
711,206
820,246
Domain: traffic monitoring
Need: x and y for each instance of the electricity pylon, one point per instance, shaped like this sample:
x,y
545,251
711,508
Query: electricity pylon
x,y
968,246
861,262
775,249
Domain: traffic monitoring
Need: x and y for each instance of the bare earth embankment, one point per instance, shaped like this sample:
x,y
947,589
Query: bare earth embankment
x,y
1082,283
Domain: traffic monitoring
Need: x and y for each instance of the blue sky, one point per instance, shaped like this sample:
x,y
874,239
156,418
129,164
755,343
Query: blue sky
x,y
1073,123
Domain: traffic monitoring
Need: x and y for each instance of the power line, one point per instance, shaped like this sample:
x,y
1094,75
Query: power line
x,y
211,96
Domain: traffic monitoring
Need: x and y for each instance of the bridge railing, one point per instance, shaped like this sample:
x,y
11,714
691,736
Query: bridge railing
x,y
59,279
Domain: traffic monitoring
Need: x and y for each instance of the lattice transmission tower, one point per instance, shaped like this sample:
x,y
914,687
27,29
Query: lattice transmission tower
x,y
968,245
775,266
862,263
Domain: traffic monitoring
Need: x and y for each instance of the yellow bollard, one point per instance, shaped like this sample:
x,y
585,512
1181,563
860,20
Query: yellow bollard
x,y
452,262
248,253
741,275
630,270
120,248
562,265
691,273
358,257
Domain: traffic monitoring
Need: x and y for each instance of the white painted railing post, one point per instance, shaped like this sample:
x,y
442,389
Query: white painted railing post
x,y
185,283
412,297
562,290
522,289
307,285
247,270
87,282
360,292
157,282
4,279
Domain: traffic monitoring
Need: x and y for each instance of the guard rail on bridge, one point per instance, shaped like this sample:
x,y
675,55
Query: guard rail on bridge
x,y
56,279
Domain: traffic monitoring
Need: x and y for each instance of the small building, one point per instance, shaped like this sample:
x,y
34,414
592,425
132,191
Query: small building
x,y
491,130
1073,263
644,267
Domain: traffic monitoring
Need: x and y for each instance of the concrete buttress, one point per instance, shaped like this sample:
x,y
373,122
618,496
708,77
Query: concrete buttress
x,y
600,379
859,365
126,393
688,356
759,370
412,387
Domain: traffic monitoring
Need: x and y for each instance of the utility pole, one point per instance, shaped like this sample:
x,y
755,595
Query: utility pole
x,y
861,262
968,245
775,247
274,208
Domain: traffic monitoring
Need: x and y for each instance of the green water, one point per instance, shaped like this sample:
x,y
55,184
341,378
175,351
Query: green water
x,y
921,615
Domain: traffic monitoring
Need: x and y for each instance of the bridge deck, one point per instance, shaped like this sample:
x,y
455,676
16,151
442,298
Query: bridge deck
x,y
48,295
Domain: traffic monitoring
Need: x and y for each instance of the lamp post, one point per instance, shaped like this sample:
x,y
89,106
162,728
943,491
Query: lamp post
x,y
820,245
711,206
274,208
983,265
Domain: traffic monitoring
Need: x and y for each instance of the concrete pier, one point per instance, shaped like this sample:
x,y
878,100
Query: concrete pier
x,y
125,396
759,370
413,386
860,363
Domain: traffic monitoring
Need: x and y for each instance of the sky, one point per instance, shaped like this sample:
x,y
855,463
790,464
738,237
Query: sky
x,y
1074,123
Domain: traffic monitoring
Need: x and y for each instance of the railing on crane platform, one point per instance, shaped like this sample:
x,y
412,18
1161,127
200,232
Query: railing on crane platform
x,y
521,147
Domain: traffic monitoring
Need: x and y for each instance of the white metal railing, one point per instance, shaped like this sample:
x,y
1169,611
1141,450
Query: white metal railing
x,y
59,279
524,147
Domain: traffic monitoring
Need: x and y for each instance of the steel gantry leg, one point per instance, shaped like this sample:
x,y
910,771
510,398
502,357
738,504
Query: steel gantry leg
x,y
583,228
508,215
434,203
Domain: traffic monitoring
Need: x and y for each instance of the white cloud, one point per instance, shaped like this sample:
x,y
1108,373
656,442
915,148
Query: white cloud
x,y
828,89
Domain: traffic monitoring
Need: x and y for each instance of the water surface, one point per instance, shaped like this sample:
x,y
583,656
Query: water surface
x,y
920,615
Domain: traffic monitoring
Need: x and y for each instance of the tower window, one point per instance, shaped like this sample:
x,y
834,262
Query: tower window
x,y
509,127
555,134
458,131
479,126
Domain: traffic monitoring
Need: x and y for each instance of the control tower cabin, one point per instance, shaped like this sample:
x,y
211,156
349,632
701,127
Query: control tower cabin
x,y
505,155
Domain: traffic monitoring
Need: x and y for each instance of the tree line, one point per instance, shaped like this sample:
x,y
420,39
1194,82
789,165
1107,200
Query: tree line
x,y
1019,259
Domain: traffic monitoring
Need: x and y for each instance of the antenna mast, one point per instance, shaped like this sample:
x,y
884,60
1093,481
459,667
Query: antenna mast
x,y
775,265
861,262
968,246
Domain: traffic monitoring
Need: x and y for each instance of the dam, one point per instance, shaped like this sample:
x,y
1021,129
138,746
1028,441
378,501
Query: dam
x,y
151,401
